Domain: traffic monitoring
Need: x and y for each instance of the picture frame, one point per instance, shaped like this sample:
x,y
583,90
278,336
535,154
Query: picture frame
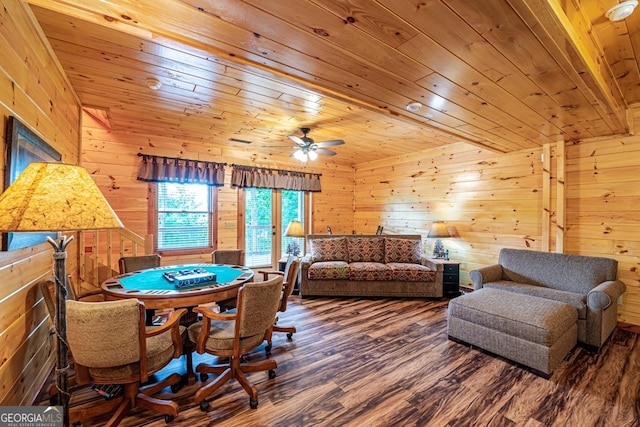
x,y
23,146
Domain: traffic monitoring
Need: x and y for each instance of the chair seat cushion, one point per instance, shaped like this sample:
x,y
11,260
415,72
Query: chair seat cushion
x,y
409,272
221,336
159,353
329,270
369,271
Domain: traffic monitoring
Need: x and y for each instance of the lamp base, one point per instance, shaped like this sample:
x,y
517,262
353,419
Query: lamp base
x,y
439,252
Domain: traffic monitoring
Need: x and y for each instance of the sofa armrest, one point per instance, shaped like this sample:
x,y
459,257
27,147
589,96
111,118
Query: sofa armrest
x,y
490,273
603,295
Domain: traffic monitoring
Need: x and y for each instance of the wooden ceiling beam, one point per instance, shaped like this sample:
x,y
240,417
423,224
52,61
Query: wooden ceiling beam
x,y
571,45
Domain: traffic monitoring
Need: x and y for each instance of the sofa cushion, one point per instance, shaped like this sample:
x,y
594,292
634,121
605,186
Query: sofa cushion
x,y
369,271
366,249
402,250
409,272
578,301
329,249
328,270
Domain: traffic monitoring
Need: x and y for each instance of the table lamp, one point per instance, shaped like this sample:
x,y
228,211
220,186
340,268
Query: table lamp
x,y
294,229
56,197
439,231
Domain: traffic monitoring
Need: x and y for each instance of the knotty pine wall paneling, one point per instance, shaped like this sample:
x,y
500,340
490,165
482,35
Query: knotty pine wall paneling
x,y
488,200
111,156
603,207
34,89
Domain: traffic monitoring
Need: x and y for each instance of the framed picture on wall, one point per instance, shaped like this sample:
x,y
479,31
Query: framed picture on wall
x,y
24,147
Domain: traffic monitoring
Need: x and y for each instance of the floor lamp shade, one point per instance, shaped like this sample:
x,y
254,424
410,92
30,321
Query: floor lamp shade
x,y
56,197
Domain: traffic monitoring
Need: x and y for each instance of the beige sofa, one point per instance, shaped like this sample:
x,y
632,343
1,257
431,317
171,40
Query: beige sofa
x,y
589,284
369,266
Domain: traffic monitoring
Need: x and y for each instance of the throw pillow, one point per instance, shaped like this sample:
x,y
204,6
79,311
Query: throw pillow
x,y
402,250
366,249
330,249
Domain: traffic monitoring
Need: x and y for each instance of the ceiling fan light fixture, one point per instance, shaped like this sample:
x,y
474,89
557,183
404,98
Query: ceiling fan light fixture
x,y
312,155
300,155
621,11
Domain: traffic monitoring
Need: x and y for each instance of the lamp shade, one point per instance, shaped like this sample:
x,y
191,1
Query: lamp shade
x,y
294,229
55,197
438,230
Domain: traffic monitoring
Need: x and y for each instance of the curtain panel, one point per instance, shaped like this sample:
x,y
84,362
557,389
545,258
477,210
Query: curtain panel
x,y
171,169
249,176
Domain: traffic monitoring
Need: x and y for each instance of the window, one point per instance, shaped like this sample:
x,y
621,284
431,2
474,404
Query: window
x,y
184,216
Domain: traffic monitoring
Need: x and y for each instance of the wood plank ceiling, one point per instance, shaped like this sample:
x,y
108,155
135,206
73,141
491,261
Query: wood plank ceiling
x,y
502,74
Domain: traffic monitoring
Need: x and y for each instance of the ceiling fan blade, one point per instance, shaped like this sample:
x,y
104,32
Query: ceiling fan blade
x,y
325,152
330,143
297,140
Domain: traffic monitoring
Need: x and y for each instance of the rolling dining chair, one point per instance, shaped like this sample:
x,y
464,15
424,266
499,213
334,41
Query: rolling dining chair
x,y
234,334
290,275
48,291
111,345
228,256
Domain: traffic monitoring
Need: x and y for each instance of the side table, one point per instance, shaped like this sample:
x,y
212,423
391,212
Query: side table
x,y
451,277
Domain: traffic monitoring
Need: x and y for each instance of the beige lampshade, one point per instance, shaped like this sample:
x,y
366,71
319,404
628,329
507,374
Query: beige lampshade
x,y
294,229
55,197
438,230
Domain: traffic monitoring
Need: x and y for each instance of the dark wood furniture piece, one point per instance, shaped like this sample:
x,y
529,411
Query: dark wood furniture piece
x,y
450,277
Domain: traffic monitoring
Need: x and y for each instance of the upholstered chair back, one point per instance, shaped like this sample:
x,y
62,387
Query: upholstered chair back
x,y
228,256
290,277
129,264
104,334
258,306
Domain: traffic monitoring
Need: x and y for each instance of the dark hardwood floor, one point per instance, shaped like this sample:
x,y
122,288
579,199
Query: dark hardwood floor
x,y
387,362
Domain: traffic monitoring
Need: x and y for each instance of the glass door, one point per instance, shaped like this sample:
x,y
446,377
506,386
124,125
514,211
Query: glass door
x,y
259,229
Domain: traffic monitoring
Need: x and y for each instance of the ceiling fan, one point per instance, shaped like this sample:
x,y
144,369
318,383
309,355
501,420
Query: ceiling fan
x,y
307,148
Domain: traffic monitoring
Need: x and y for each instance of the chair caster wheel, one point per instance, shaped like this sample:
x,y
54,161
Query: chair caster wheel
x,y
168,418
203,376
176,387
272,374
290,336
253,403
204,405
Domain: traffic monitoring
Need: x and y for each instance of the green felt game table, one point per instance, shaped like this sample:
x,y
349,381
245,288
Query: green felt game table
x,y
151,287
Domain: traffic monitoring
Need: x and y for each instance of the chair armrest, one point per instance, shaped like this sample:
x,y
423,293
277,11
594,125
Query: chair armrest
x,y
266,273
90,293
490,273
172,321
603,295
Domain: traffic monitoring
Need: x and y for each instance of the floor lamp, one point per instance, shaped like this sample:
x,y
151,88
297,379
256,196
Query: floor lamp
x,y
56,197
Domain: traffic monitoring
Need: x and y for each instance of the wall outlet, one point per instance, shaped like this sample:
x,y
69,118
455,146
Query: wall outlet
x,y
229,225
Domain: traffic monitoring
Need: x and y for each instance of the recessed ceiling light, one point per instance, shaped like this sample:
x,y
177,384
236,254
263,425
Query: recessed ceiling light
x,y
153,83
414,106
621,11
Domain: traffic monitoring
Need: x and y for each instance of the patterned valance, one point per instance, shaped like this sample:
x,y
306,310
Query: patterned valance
x,y
172,169
249,176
